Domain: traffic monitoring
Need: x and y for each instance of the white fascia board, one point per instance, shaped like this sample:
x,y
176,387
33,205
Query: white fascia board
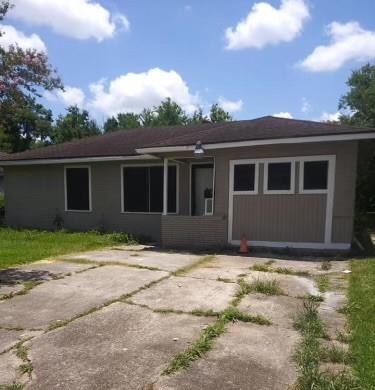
x,y
48,161
274,141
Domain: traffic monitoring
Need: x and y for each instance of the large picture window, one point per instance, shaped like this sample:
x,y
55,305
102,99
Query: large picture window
x,y
143,189
77,189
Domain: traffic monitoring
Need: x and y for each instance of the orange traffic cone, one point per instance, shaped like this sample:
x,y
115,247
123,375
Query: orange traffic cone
x,y
244,248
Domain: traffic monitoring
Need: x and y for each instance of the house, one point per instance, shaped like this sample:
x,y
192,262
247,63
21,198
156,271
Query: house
x,y
2,155
278,182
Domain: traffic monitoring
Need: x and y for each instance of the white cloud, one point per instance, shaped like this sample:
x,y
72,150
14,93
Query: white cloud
x,y
285,115
230,105
349,41
81,19
266,25
326,117
132,92
11,36
72,96
306,106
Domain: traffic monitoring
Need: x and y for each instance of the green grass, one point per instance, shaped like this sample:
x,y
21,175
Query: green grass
x,y
24,246
266,267
200,263
323,283
361,309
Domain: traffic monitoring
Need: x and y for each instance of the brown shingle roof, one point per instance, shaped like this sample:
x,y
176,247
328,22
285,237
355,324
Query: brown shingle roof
x,y
125,143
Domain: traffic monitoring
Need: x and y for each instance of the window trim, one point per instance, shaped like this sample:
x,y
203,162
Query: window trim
x,y
122,208
88,167
302,174
292,189
233,163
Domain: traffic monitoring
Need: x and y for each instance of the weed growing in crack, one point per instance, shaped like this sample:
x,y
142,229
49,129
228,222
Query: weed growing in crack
x,y
224,280
323,283
207,338
266,267
335,354
202,261
326,265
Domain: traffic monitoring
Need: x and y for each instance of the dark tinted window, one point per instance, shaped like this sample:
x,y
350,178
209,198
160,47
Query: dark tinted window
x,y
315,175
143,189
279,176
77,189
244,177
136,183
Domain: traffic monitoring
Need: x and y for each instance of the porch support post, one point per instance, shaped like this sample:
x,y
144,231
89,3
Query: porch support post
x,y
165,187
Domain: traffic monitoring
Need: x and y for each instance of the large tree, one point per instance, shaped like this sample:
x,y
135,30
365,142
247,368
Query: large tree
x,y
75,124
359,106
24,74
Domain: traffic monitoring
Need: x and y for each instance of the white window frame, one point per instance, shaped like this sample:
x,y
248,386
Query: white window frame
x,y
327,244
292,188
88,167
302,174
123,211
233,163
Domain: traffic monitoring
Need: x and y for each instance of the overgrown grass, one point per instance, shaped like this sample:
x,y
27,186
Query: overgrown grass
x,y
24,246
266,267
323,283
310,354
360,310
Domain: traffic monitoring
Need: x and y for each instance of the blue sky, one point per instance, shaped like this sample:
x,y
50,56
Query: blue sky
x,y
198,53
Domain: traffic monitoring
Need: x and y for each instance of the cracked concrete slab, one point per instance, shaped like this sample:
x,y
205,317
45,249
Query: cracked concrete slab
x,y
10,289
119,347
294,286
247,356
164,260
62,299
281,310
187,294
9,368
9,338
333,320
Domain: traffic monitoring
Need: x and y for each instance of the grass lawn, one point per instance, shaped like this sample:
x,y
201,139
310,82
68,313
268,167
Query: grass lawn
x,y
24,246
361,311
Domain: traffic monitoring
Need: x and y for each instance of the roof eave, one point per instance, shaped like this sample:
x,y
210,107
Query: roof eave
x,y
72,160
271,141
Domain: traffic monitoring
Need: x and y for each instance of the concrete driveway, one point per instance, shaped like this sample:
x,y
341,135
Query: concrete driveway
x,y
117,318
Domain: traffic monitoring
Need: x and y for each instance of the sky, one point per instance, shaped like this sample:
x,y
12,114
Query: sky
x,y
288,58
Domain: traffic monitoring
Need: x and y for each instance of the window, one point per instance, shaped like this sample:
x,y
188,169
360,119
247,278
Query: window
x,y
143,189
279,177
315,175
244,177
77,189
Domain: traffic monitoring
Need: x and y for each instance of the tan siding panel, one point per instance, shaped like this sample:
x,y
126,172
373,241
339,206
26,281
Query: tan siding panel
x,y
291,218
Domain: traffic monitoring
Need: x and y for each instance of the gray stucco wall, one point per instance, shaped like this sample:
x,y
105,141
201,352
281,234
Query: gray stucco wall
x,y
35,193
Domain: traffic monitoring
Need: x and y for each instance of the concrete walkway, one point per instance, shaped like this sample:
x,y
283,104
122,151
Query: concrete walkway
x,y
116,318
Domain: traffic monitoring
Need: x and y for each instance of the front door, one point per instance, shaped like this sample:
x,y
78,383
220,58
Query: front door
x,y
201,189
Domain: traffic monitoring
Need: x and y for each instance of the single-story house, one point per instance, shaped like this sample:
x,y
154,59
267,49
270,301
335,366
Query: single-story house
x,y
2,155
277,182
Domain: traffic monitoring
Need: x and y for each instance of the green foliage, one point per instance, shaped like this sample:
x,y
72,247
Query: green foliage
x,y
24,246
360,310
123,121
75,124
23,75
323,283
217,114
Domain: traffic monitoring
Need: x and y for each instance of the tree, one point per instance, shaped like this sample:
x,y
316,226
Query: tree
x,y
75,124
123,121
23,74
360,103
360,100
218,114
